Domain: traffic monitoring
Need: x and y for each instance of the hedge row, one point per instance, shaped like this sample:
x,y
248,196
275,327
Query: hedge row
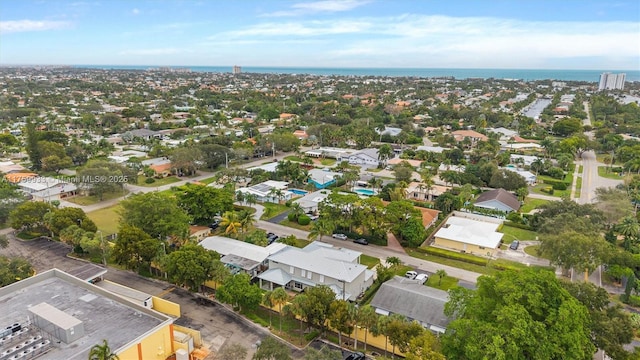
x,y
471,259
518,225
554,182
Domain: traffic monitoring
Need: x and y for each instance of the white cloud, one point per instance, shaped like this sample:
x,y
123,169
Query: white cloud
x,y
293,29
14,26
135,11
324,6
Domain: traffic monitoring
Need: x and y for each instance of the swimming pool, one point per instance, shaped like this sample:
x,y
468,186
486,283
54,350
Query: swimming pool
x,y
366,192
298,191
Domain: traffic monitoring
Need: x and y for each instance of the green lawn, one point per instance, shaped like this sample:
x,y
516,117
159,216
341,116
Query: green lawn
x,y
292,329
208,180
451,262
531,203
327,162
537,189
578,186
514,233
603,171
272,210
293,158
369,261
447,283
580,169
533,251
107,220
90,200
158,182
295,225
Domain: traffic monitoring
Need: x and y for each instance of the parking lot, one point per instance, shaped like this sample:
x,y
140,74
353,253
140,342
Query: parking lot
x,y
218,325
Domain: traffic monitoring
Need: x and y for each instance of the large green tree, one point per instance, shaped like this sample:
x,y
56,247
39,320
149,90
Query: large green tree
x,y
100,177
582,252
238,291
156,213
611,326
203,203
14,269
191,265
102,352
272,349
523,314
60,219
134,247
10,198
317,306
29,214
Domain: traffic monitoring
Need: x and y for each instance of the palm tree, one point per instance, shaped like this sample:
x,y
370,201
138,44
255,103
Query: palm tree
x,y
629,227
320,228
385,152
276,193
246,219
231,222
251,199
279,297
102,352
267,300
441,273
394,261
367,318
380,328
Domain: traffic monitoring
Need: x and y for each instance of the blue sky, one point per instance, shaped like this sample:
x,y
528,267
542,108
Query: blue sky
x,y
535,34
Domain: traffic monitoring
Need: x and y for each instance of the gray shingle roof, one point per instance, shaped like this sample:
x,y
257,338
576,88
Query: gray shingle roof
x,y
413,300
500,195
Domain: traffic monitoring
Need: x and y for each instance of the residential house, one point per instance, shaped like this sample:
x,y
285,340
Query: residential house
x,y
240,256
17,177
528,176
414,301
526,160
498,199
268,167
391,131
318,264
7,167
420,192
144,134
322,178
474,136
414,163
161,166
433,149
330,152
365,158
269,191
310,201
199,232
450,167
301,134
47,188
470,233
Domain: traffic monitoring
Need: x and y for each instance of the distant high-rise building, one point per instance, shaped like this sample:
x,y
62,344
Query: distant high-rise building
x,y
609,81
237,69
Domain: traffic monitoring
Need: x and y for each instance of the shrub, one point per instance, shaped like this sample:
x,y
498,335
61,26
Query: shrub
x,y
304,220
311,335
556,172
514,217
634,300
150,180
560,186
292,217
518,225
471,259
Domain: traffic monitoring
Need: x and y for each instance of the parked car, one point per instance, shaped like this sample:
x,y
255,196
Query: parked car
x,y
422,278
339,236
514,245
361,241
214,225
410,274
271,238
356,356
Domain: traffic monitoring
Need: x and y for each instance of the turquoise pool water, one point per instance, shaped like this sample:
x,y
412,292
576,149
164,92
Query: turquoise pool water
x,y
298,191
365,192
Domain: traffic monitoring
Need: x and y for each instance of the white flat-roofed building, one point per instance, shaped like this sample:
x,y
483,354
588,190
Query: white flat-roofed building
x,y
269,191
310,202
433,149
270,167
318,264
47,188
477,236
330,152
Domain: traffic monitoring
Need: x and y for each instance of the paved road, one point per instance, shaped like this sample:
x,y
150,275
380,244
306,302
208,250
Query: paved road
x,y
590,178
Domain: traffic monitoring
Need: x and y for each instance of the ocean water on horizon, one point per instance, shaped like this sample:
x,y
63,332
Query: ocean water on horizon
x,y
519,74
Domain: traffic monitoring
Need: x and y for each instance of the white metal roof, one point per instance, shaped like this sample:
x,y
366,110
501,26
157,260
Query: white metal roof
x,y
225,246
310,261
471,232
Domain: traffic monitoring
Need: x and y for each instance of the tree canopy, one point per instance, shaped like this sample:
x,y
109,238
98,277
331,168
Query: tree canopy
x,y
157,214
517,315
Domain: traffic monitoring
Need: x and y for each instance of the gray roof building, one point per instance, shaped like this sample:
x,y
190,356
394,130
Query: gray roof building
x,y
499,199
414,300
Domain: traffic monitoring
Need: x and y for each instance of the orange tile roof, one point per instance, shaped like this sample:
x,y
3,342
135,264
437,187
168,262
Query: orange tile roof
x,y
17,177
161,168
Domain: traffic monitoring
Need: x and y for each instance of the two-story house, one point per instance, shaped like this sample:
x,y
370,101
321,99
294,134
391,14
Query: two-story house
x,y
318,264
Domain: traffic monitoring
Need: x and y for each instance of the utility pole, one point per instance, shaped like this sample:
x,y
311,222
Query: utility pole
x,y
226,160
273,149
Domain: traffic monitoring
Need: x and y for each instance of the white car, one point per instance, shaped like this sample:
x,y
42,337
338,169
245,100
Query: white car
x,y
411,274
422,278
339,236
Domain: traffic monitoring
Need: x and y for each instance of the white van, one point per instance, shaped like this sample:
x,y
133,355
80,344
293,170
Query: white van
x,y
411,274
422,278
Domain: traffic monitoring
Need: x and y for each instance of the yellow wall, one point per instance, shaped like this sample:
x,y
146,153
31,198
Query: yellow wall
x,y
155,346
377,341
166,306
197,337
456,245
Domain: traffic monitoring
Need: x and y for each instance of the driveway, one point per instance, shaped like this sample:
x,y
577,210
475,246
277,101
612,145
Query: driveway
x,y
218,325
